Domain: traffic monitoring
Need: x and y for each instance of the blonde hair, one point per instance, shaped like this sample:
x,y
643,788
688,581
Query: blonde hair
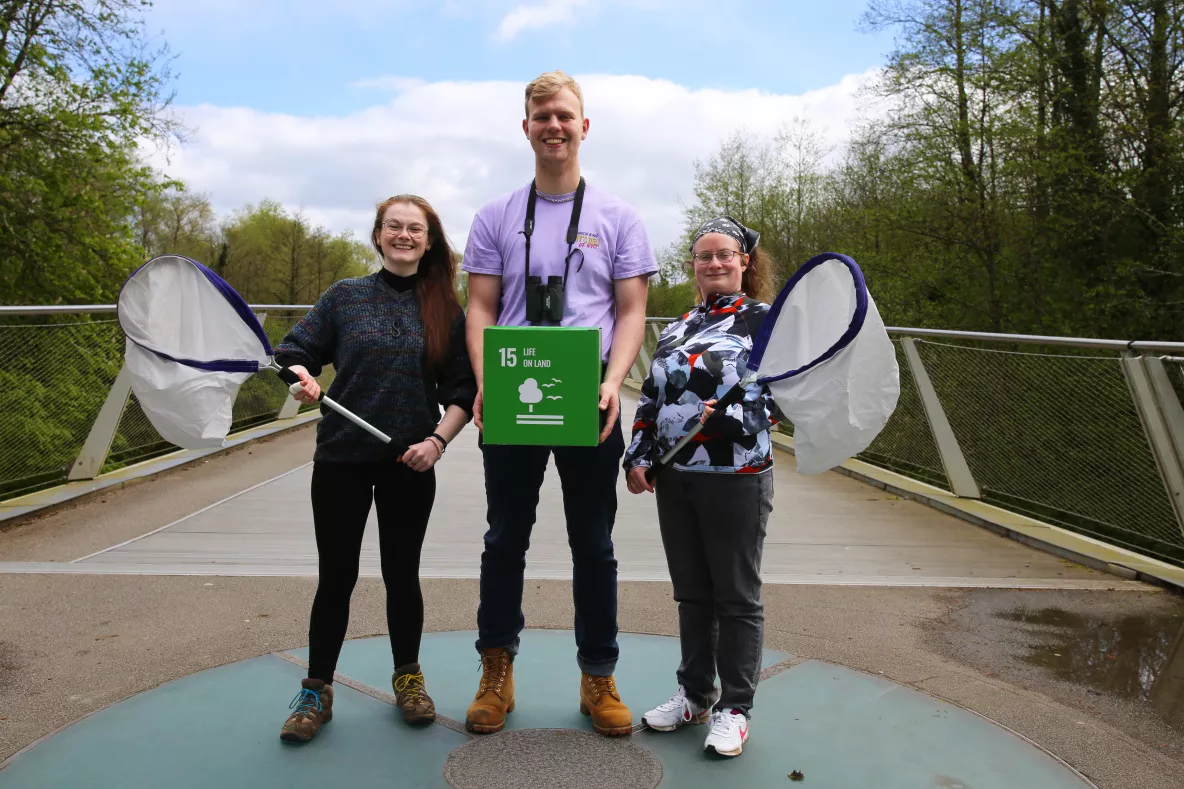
x,y
547,85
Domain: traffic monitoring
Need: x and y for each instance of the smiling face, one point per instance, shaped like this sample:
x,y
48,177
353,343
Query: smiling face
x,y
715,277
403,237
555,127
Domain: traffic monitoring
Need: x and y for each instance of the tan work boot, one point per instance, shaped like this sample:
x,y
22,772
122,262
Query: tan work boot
x,y
411,695
312,707
495,694
599,698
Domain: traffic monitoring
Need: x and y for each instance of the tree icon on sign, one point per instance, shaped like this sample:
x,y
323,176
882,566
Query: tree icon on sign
x,y
530,393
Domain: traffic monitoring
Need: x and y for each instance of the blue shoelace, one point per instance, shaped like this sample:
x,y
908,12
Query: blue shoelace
x,y
306,702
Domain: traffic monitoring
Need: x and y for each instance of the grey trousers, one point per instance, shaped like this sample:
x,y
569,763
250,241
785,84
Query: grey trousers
x,y
713,530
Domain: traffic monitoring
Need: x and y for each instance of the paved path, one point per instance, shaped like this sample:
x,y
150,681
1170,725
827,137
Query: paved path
x,y
73,642
825,529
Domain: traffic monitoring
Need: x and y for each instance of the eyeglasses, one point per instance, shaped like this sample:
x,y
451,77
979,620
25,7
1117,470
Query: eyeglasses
x,y
415,231
724,255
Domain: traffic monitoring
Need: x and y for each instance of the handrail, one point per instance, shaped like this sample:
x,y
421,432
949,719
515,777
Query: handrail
x,y
1036,339
68,309
1023,339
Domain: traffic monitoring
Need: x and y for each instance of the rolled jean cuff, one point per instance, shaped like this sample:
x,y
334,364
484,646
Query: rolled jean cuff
x,y
511,647
598,669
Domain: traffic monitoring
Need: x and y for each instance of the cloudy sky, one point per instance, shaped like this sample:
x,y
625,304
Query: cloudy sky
x,y
330,111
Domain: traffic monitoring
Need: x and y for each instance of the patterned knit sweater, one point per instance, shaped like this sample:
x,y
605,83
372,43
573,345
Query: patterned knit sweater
x,y
373,336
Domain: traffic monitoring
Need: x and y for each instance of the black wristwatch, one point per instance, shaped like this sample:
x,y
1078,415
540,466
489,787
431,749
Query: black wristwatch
x,y
443,443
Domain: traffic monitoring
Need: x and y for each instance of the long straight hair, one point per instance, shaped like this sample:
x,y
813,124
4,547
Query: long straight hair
x,y
436,288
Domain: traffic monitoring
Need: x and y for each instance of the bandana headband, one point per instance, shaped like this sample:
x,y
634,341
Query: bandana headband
x,y
729,227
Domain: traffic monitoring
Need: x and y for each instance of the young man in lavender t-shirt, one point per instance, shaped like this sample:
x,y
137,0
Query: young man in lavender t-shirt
x,y
609,291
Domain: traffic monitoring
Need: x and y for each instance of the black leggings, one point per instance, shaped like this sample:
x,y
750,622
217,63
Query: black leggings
x,y
341,496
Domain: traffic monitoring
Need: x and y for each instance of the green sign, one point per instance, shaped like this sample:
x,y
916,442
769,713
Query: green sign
x,y
542,385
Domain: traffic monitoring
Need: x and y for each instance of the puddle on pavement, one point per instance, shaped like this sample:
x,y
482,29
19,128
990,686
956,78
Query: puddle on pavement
x,y
1140,658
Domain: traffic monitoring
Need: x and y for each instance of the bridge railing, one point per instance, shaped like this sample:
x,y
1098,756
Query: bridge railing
x,y
1084,433
68,413
1087,434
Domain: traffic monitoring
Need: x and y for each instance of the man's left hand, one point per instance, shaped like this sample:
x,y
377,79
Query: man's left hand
x,y
610,402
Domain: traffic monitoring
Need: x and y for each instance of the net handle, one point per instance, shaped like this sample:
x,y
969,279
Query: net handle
x,y
730,398
287,376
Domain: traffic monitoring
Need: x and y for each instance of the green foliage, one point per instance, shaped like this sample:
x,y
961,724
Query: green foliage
x,y
79,90
55,378
1029,176
268,255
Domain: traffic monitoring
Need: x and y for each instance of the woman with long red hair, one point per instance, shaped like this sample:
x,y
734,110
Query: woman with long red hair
x,y
396,340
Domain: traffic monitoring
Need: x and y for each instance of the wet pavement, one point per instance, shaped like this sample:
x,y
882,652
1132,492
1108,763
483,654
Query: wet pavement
x,y
1131,657
1118,657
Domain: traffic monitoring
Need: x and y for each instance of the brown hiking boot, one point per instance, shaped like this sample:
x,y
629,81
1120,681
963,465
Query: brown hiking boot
x,y
312,707
599,698
411,695
495,694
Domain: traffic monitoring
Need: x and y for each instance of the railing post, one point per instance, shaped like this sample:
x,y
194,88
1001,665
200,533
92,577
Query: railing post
x,y
641,365
291,406
1163,423
98,443
290,409
953,461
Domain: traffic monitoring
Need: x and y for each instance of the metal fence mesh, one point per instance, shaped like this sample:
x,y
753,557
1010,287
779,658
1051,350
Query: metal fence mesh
x,y
1055,435
906,444
55,377
135,439
276,326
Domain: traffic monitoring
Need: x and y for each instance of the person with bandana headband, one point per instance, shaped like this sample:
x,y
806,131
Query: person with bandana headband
x,y
715,497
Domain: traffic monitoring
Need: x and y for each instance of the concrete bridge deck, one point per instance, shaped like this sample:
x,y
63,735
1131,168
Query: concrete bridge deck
x,y
824,529
185,598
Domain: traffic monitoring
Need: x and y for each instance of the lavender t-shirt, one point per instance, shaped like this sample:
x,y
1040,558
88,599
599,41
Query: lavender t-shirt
x,y
611,237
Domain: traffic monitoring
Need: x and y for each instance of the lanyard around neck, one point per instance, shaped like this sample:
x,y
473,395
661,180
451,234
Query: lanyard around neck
x,y
572,232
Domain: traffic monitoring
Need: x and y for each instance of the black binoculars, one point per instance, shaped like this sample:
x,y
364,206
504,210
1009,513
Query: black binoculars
x,y
544,302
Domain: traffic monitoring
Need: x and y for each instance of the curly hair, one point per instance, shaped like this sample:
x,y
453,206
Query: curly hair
x,y
757,279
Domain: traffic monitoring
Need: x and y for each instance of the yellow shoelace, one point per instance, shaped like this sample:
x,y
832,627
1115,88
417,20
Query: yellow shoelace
x,y
603,685
403,683
494,673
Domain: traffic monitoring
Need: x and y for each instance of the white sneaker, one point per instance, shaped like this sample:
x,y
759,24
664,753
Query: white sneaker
x,y
729,732
677,712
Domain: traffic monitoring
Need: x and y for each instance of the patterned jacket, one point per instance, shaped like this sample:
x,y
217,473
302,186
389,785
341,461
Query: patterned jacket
x,y
701,356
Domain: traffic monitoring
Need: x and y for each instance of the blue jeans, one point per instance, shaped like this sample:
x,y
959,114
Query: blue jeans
x,y
513,476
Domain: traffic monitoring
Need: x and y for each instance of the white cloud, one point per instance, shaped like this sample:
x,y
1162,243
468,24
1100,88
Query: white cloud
x,y
459,144
393,84
538,16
